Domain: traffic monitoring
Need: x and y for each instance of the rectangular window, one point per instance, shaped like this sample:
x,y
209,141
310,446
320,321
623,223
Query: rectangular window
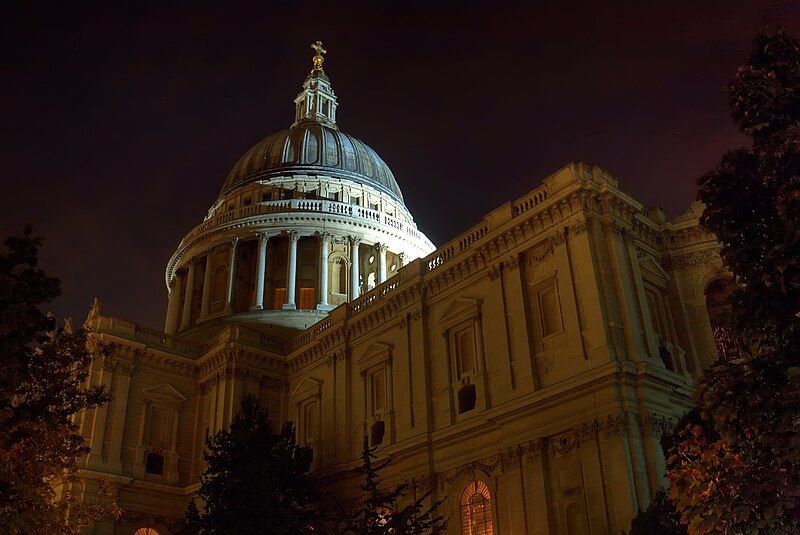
x,y
309,418
280,298
378,391
247,201
307,298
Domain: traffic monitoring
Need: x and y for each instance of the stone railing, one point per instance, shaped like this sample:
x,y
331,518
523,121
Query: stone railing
x,y
477,233
530,200
144,335
307,205
161,341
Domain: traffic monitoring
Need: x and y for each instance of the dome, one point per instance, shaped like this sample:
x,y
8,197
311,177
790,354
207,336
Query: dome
x,y
308,219
312,148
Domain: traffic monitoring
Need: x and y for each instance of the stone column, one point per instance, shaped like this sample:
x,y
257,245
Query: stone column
x,y
324,251
102,375
187,300
174,307
261,264
291,270
121,393
355,279
231,277
381,249
206,302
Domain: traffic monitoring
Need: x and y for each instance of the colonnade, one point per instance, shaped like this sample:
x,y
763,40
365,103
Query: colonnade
x,y
180,317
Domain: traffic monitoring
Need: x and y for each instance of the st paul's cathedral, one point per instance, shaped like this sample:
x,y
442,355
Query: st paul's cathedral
x,y
524,370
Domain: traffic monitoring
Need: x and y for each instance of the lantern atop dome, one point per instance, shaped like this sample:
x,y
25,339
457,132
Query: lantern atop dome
x,y
317,102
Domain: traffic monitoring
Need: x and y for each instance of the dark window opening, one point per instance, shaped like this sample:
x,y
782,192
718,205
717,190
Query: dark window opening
x,y
666,357
467,397
154,464
248,201
266,197
377,431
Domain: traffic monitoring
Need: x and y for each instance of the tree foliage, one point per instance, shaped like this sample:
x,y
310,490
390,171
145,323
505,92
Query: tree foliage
x,y
734,469
256,480
379,511
42,390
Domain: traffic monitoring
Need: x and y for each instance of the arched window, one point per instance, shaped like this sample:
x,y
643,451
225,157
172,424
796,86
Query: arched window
x,y
338,276
476,509
551,315
147,531
466,352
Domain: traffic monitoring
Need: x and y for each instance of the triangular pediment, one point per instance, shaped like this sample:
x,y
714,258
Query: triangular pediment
x,y
648,264
461,308
307,385
377,349
165,393
377,352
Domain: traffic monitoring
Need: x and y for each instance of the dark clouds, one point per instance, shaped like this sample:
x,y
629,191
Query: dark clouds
x,y
120,121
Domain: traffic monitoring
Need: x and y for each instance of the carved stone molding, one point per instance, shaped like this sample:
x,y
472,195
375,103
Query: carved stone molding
x,y
578,228
696,259
500,461
656,425
512,262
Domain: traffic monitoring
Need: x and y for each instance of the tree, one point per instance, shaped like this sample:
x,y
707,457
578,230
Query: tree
x,y
734,469
379,513
42,389
255,481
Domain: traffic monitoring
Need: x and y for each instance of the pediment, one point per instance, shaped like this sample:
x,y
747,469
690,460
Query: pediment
x,y
164,393
375,353
649,265
460,309
306,387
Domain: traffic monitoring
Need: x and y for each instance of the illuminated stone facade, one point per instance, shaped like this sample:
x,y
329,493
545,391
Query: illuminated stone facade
x,y
524,370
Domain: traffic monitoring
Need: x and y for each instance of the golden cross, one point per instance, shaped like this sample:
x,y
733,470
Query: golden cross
x,y
318,52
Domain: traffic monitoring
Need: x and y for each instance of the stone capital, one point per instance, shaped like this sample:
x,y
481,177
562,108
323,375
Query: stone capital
x,y
325,235
293,235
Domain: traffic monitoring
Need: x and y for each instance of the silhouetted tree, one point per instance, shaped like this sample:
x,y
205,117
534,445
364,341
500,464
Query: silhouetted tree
x,y
256,480
379,511
43,373
734,469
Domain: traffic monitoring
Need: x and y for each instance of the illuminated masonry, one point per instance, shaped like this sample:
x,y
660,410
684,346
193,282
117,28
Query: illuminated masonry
x,y
524,370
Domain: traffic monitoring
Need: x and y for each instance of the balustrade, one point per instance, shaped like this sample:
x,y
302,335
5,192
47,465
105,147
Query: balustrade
x,y
306,205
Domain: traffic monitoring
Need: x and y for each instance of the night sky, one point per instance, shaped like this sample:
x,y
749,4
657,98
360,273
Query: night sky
x,y
121,121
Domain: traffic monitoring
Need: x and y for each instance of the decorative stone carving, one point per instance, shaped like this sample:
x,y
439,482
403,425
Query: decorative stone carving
x,y
697,259
655,425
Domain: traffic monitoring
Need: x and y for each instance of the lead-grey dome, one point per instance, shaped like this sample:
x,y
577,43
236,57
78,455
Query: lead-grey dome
x,y
311,148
